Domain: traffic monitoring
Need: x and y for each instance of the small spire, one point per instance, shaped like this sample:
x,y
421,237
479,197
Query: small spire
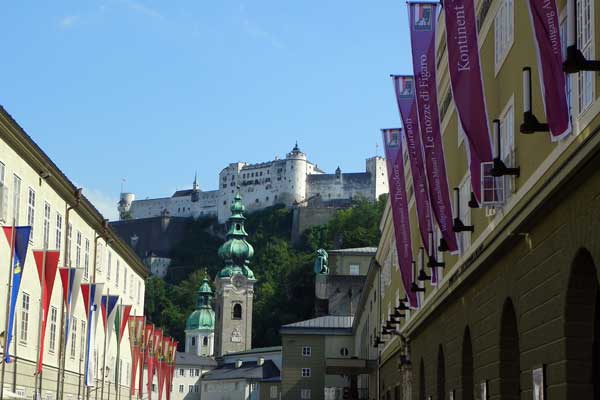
x,y
195,186
296,149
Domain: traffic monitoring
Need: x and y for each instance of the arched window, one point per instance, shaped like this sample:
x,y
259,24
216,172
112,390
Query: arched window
x,y
205,341
237,311
510,366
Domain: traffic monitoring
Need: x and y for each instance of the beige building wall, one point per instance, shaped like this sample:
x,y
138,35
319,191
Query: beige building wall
x,y
43,197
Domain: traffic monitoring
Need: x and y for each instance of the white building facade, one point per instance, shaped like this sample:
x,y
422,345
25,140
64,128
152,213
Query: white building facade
x,y
34,192
290,181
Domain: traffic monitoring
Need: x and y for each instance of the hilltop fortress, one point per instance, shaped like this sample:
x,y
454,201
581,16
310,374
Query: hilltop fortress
x,y
293,181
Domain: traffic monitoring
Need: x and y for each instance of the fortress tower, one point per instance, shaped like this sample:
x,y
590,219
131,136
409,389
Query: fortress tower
x,y
124,205
235,286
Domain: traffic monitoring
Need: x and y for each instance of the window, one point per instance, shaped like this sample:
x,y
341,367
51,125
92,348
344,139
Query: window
x,y
53,318
503,31
180,388
125,281
507,148
24,317
78,250
191,371
58,236
205,341
82,339
196,388
73,337
193,341
139,290
86,259
585,37
197,372
117,274
354,269
181,372
190,388
306,351
344,352
305,394
69,243
108,264
46,224
16,198
306,372
237,311
464,238
273,393
99,257
31,210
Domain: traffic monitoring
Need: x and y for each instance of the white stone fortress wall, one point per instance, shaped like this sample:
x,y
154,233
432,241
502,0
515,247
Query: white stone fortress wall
x,y
290,181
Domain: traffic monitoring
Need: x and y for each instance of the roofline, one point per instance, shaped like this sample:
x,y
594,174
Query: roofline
x,y
273,349
32,154
316,331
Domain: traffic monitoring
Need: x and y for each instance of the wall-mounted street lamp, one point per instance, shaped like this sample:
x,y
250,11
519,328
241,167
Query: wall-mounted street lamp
x,y
473,202
575,61
458,225
499,168
433,262
530,122
414,287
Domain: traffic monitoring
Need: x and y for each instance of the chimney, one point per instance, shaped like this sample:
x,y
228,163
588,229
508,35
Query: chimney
x,y
261,361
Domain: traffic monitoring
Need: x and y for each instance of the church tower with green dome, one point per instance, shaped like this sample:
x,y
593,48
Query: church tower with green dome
x,y
234,286
200,325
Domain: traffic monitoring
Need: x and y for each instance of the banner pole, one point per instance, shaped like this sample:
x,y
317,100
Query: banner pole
x,y
117,364
10,274
38,390
104,354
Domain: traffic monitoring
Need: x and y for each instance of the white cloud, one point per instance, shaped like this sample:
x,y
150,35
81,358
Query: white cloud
x,y
139,7
106,204
68,21
254,30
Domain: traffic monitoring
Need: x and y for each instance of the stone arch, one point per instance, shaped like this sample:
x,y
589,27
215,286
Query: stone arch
x,y
237,311
466,372
422,381
441,374
510,360
582,329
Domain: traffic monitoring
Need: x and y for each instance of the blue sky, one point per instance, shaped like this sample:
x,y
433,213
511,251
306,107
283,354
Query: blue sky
x,y
153,91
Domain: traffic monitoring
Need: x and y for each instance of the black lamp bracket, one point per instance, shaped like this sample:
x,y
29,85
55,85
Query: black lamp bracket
x,y
415,288
459,226
532,125
433,263
500,169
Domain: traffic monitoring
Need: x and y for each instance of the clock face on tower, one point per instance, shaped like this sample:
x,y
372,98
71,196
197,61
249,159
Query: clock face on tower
x,y
238,281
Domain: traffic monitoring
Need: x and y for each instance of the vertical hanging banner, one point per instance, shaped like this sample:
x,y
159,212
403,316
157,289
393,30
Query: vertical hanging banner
x,y
422,19
19,247
136,326
92,298
405,96
71,283
109,307
395,165
404,86
546,27
172,363
47,266
466,83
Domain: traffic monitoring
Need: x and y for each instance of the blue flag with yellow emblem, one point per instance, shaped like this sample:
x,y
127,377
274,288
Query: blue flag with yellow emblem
x,y
21,242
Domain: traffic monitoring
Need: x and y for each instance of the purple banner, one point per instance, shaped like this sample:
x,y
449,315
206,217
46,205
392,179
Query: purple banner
x,y
392,143
467,84
407,105
422,18
544,19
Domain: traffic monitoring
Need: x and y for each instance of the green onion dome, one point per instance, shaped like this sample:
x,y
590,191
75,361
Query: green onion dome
x,y
236,251
204,316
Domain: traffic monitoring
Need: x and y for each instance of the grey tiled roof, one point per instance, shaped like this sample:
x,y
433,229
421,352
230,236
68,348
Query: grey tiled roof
x,y
326,322
248,370
254,351
186,359
358,250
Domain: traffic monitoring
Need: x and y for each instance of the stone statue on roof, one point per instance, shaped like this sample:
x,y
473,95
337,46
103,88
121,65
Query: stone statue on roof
x,y
320,266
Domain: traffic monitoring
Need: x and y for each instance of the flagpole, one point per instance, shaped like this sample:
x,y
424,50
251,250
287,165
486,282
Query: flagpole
x,y
104,355
117,365
4,349
62,352
41,313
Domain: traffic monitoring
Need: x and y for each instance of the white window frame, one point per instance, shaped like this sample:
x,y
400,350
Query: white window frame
x,y
305,394
306,351
181,388
508,148
53,322
16,198
3,195
108,263
78,250
305,372
585,43
46,233
58,232
273,392
86,258
504,32
25,306
69,244
354,268
73,349
31,211
117,273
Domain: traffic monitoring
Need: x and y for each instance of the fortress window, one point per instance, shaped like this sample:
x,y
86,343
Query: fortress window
x,y
224,185
267,198
256,201
224,202
237,311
